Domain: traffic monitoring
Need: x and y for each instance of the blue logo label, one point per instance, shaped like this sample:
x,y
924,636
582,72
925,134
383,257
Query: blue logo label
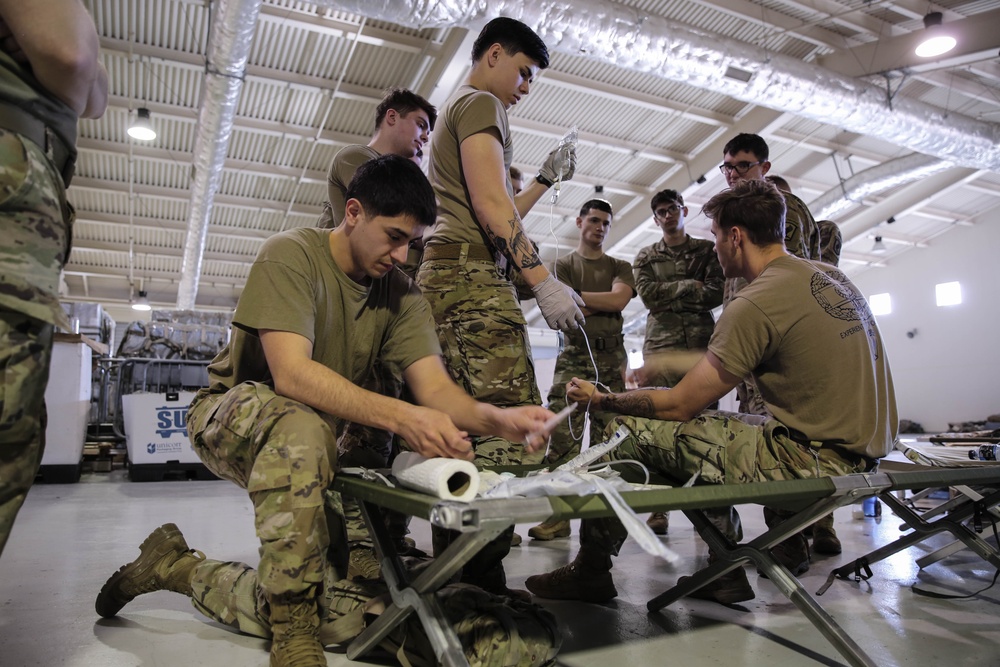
x,y
171,420
151,448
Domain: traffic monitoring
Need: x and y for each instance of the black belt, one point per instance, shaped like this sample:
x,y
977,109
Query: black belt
x,y
21,122
598,343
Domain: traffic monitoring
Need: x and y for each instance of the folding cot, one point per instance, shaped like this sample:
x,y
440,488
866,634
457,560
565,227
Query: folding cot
x,y
482,520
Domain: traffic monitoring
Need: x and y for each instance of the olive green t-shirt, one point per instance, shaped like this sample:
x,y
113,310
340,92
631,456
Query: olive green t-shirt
x,y
295,285
806,335
342,168
595,275
469,111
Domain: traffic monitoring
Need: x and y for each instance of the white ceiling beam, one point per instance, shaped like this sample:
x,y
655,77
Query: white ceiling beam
x,y
906,199
841,14
347,30
591,139
783,23
173,157
826,147
977,36
143,190
621,95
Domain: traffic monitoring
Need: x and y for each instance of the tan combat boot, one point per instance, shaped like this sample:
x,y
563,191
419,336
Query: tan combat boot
x,y
549,530
165,563
295,629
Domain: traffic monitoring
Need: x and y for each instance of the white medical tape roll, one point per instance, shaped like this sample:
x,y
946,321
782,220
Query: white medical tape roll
x,y
449,479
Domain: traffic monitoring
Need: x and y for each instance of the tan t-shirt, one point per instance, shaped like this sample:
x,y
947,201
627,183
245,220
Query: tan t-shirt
x,y
345,163
469,111
595,275
806,335
294,285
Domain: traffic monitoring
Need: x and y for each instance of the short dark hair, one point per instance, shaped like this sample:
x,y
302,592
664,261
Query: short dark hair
x,y
664,196
404,101
778,181
751,143
599,204
391,185
515,37
755,205
515,173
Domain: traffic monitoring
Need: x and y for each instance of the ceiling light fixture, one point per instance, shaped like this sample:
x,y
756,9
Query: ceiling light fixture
x,y
142,303
141,128
878,247
936,41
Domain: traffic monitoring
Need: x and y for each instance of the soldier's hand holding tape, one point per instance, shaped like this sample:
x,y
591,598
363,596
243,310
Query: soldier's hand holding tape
x,y
559,304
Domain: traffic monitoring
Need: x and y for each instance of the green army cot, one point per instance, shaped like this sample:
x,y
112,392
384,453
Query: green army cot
x,y
482,520
964,516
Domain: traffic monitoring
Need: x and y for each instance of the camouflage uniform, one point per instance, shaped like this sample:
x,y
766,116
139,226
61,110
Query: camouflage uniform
x,y
266,444
680,317
602,336
831,241
574,361
802,239
725,448
484,340
35,223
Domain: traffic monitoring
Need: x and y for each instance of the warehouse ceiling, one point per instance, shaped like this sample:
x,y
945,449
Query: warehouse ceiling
x,y
314,74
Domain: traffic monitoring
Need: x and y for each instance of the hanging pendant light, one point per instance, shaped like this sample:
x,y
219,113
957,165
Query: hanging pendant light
x,y
142,127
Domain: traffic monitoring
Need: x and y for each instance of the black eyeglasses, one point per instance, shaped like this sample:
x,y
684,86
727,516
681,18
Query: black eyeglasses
x,y
740,168
663,212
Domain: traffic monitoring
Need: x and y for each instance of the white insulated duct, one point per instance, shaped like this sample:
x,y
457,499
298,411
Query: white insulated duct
x,y
873,181
228,51
623,37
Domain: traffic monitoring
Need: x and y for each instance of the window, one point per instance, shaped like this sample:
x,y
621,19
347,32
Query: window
x,y
948,294
881,304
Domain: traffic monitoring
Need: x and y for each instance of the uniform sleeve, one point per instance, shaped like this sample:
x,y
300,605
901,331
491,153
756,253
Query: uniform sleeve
x,y
411,335
480,112
563,270
279,293
624,274
708,294
743,338
659,295
342,170
801,232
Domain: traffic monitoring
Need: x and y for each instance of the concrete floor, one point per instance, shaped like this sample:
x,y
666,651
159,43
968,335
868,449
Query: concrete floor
x,y
69,538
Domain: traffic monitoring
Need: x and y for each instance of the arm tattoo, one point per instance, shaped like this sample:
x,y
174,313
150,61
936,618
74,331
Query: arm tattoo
x,y
518,250
636,403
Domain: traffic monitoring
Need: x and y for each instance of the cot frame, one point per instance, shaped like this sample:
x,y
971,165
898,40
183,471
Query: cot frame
x,y
482,520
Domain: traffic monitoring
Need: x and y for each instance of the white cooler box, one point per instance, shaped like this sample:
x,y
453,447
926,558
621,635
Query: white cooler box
x,y
156,436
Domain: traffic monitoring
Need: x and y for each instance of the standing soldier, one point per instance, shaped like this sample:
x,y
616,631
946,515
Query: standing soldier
x,y
49,77
478,242
680,281
606,286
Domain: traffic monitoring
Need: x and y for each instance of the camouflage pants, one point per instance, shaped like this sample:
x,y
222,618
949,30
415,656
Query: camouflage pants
x,y
724,448
25,356
35,224
283,453
484,340
573,361
229,592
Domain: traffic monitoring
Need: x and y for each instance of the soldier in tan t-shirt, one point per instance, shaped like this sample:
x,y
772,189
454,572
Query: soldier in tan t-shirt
x,y
805,334
318,308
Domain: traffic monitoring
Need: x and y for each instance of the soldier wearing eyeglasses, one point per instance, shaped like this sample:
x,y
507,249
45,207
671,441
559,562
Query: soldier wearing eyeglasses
x,y
680,281
745,159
